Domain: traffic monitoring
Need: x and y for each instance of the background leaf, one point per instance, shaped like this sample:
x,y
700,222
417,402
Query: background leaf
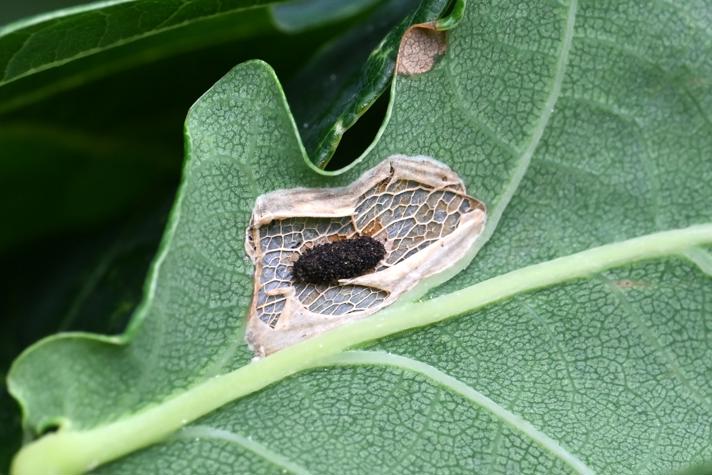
x,y
30,47
574,138
300,15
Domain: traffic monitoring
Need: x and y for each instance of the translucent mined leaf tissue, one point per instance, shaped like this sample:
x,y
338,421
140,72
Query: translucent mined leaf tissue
x,y
416,207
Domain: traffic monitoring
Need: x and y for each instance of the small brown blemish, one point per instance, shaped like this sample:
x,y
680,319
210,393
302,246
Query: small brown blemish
x,y
629,284
420,47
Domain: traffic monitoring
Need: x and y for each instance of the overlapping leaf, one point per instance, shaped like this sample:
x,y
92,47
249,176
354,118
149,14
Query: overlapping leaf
x,y
578,125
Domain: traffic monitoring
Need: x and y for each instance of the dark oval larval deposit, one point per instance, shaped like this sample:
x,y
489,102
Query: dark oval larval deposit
x,y
344,259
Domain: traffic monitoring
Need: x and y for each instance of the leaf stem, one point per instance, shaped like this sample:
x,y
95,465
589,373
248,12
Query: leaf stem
x,y
75,451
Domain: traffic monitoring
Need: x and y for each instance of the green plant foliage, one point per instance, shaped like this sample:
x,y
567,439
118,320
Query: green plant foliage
x,y
99,31
348,76
300,15
581,341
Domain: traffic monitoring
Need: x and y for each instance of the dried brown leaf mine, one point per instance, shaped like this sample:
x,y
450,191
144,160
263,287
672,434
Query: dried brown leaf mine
x,y
327,256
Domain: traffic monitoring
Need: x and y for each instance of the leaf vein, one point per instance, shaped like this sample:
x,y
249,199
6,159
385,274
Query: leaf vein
x,y
475,121
208,432
106,442
458,387
534,139
71,12
663,353
701,258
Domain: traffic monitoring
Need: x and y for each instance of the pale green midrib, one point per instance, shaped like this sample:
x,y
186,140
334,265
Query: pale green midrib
x,y
208,432
454,385
70,452
701,258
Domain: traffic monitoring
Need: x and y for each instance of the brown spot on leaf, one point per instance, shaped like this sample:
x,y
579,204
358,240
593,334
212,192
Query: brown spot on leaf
x,y
420,48
629,284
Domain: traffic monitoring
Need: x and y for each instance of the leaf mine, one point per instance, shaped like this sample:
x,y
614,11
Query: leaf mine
x,y
420,48
416,207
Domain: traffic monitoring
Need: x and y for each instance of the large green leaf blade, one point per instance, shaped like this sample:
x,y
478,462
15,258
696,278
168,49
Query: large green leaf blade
x,y
607,373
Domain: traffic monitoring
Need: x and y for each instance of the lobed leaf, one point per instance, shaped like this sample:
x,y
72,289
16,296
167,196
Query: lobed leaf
x,y
580,347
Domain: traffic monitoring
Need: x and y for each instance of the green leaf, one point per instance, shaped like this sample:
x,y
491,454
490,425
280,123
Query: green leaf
x,y
330,93
300,15
582,342
36,59
100,156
